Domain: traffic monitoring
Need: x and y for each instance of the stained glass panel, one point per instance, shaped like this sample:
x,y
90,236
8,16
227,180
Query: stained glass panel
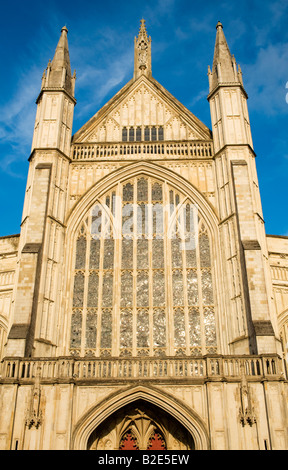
x,y
158,288
142,254
142,331
80,253
107,292
159,327
179,328
142,189
78,294
142,289
126,332
126,289
108,258
106,328
127,253
178,293
76,329
92,297
91,329
94,254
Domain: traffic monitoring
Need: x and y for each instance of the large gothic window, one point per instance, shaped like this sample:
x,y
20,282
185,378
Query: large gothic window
x,y
143,281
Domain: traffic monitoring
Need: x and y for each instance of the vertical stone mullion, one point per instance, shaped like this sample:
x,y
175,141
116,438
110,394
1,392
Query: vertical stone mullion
x,y
86,282
150,273
200,296
184,274
168,273
99,313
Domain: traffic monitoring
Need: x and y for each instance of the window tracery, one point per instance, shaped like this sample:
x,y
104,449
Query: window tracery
x,y
140,426
150,133
143,281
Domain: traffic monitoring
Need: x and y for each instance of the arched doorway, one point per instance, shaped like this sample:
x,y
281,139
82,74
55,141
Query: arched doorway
x,y
140,426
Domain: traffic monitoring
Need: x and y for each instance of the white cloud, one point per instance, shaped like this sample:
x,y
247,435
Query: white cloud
x,y
265,79
17,117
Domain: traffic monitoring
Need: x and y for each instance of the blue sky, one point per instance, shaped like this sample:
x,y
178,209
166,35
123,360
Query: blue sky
x,y
101,40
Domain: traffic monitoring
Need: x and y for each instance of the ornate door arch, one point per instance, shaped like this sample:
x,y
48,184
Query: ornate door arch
x,y
140,426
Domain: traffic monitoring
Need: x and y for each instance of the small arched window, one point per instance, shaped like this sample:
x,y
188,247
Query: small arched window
x,y
131,134
147,133
138,134
124,134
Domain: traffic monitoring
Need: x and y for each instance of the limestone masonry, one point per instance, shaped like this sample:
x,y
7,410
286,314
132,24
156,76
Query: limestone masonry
x,y
143,306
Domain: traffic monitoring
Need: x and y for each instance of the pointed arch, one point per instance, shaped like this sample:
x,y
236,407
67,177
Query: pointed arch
x,y
187,417
135,169
186,316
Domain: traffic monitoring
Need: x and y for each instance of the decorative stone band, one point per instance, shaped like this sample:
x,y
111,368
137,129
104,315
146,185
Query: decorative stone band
x,y
198,369
114,151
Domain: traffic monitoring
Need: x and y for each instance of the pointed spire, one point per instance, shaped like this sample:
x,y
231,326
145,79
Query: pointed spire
x,y
142,53
224,68
58,72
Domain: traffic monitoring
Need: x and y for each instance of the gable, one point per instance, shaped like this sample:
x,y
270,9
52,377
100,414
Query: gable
x,y
140,104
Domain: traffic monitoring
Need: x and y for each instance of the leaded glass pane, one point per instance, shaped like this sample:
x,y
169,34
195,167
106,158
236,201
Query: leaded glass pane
x,y
127,220
106,328
204,249
178,294
76,329
159,327
147,133
207,289
194,327
131,134
127,254
179,328
142,254
138,134
126,328
210,327
176,253
191,260
78,294
124,134
157,192
94,254
128,192
108,258
158,253
158,288
142,228
142,189
142,328
92,297
80,253
142,289
126,289
192,287
91,329
158,221
107,291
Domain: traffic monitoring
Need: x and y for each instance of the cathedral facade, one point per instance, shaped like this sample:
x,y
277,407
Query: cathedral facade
x,y
143,306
